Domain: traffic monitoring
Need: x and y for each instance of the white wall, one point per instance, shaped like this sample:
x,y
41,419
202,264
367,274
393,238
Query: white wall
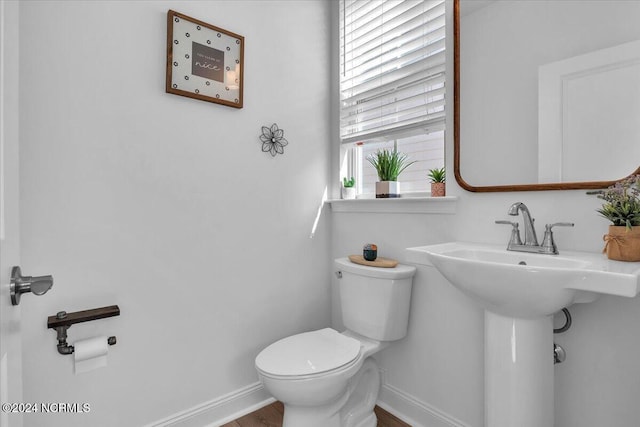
x,y
437,370
166,205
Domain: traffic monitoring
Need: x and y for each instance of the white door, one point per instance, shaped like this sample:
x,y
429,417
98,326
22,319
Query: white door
x,y
10,338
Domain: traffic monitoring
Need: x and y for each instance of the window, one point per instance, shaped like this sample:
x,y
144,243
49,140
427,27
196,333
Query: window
x,y
392,85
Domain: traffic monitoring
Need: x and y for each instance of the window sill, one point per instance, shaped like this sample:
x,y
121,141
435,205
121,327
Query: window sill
x,y
428,205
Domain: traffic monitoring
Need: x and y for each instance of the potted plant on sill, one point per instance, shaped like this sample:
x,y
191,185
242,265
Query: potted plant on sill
x,y
437,177
389,164
622,208
348,190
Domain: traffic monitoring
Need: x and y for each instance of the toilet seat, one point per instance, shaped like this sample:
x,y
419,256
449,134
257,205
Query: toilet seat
x,y
308,354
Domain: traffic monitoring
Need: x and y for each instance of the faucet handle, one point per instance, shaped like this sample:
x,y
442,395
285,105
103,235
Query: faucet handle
x,y
515,232
548,245
559,224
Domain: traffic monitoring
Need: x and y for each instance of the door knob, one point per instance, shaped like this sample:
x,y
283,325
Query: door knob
x,y
38,285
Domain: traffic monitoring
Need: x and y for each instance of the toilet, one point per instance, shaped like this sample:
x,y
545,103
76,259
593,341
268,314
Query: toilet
x,y
327,378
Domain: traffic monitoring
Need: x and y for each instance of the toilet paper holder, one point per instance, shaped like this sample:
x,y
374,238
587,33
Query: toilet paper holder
x,y
63,321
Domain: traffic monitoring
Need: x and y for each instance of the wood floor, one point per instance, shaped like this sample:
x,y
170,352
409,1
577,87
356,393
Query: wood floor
x,y
271,416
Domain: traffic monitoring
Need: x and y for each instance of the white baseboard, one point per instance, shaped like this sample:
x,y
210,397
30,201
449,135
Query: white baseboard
x,y
413,411
221,410
241,402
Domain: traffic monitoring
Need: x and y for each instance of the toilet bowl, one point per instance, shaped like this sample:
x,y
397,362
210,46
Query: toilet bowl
x,y
326,378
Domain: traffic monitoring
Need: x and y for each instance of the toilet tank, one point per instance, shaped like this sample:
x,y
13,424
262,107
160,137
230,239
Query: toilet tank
x,y
375,301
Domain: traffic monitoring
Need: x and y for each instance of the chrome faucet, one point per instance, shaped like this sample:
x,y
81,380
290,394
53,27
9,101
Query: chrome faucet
x,y
530,244
530,238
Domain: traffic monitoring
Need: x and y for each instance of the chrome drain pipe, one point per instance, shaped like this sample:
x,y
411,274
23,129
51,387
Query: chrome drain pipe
x,y
559,355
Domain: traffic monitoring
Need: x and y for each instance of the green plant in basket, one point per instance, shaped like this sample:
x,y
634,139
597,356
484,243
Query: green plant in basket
x,y
622,202
437,175
389,163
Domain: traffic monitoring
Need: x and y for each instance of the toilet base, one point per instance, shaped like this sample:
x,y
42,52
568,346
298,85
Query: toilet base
x,y
313,416
354,408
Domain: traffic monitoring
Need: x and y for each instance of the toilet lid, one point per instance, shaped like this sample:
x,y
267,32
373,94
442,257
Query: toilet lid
x,y
308,353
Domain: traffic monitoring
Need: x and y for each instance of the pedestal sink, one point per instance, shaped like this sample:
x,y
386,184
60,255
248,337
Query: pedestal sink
x,y
520,292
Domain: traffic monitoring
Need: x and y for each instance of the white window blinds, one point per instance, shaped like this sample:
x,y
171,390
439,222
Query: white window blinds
x,y
392,68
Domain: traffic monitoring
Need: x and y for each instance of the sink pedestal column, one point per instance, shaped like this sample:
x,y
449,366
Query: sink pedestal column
x,y
518,371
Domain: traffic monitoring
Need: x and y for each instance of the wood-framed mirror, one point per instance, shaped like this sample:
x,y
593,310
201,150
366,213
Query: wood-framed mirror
x,y
573,65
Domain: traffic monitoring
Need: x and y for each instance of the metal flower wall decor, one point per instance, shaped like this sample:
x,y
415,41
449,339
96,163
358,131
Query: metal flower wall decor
x,y
273,140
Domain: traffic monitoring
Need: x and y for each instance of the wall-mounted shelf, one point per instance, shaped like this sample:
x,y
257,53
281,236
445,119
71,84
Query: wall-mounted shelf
x,y
63,321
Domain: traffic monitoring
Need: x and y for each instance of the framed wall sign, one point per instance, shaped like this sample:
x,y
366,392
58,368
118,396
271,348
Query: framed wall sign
x,y
203,61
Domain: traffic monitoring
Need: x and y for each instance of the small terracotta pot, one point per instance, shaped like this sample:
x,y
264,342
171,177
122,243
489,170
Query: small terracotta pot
x,y
438,189
622,243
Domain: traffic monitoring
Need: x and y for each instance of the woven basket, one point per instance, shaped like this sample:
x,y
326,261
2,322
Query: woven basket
x,y
622,244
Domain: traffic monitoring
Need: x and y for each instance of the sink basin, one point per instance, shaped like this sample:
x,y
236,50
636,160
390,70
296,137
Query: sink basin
x,y
519,292
528,285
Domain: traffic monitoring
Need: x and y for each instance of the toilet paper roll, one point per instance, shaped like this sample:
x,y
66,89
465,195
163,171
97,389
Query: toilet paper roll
x,y
90,354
